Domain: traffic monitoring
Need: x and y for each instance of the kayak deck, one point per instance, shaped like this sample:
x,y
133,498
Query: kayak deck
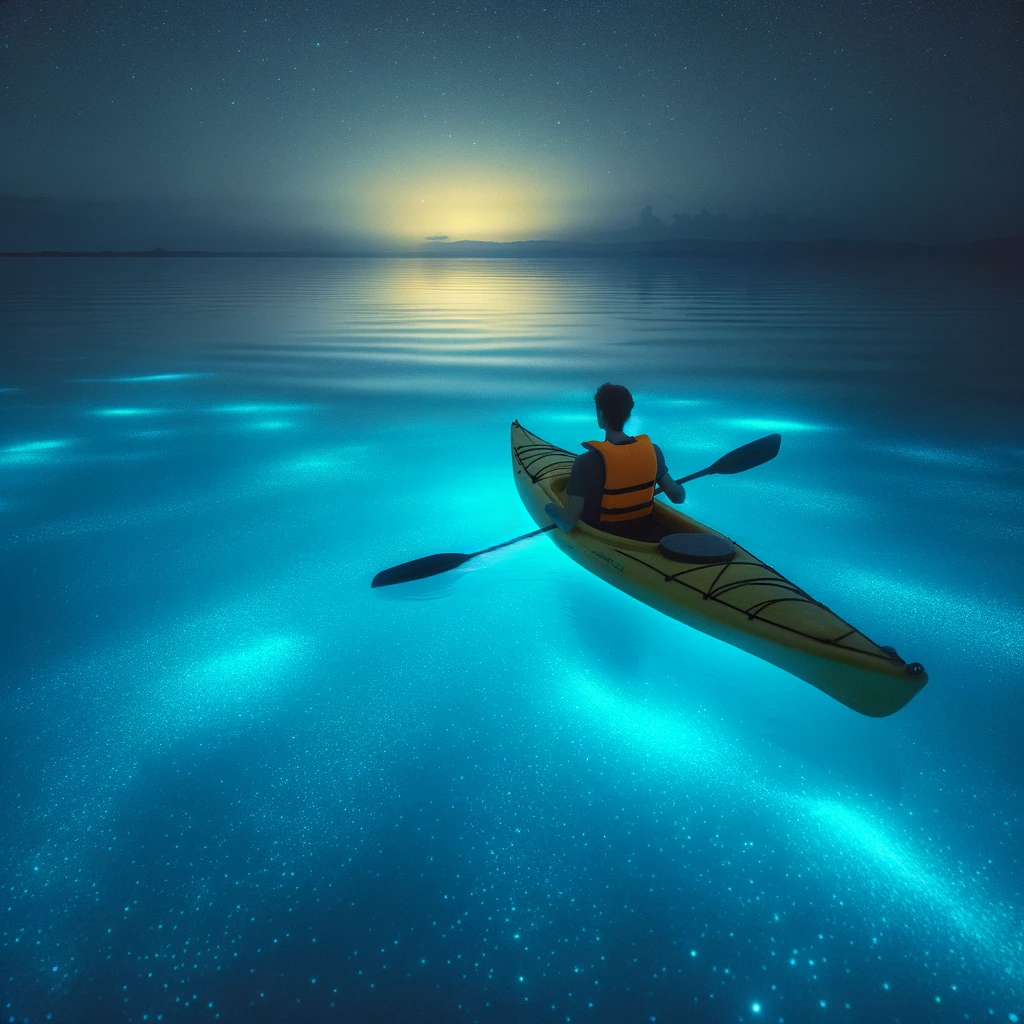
x,y
743,601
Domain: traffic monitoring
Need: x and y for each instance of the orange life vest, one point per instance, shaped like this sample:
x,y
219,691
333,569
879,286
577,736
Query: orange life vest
x,y
629,478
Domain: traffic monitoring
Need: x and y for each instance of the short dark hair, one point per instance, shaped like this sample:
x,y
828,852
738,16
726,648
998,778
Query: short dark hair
x,y
615,403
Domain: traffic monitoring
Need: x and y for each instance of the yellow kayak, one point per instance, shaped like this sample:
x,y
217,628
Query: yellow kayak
x,y
741,600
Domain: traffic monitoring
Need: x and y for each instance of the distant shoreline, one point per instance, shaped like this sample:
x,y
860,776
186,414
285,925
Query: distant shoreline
x,y
1009,249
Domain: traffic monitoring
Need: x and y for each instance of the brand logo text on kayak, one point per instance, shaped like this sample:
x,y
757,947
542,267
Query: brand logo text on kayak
x,y
605,558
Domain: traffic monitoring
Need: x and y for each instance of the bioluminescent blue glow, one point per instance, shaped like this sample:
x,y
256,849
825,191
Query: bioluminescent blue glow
x,y
992,628
963,459
667,402
278,424
257,408
839,839
28,452
157,378
127,412
235,679
238,781
774,425
146,378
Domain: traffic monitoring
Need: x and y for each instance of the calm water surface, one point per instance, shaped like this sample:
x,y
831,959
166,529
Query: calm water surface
x,y
238,785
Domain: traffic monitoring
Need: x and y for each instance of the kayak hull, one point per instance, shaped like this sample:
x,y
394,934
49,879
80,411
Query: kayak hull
x,y
743,602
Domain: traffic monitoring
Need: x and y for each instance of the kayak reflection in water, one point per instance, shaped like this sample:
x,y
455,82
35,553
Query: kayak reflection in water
x,y
611,486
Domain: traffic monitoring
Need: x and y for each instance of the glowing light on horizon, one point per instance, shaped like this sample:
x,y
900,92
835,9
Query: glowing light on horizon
x,y
490,205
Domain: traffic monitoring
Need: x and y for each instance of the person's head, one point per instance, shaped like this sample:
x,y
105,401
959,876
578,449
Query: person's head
x,y
614,404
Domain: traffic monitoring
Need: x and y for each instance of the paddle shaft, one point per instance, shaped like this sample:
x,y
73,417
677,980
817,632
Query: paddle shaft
x,y
516,540
693,476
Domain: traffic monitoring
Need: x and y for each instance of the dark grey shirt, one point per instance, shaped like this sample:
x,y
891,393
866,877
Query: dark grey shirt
x,y
586,481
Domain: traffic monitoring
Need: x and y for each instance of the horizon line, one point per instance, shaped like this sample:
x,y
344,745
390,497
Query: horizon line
x,y
1003,246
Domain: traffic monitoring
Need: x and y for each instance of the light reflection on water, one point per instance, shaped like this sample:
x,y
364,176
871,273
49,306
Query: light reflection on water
x,y
679,328
211,719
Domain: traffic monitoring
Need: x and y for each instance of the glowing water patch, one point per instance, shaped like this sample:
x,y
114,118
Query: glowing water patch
x,y
333,465
327,463
148,378
818,501
776,426
237,677
163,432
885,853
677,403
156,377
910,878
940,456
647,730
29,452
257,408
837,840
271,425
980,624
126,412
564,417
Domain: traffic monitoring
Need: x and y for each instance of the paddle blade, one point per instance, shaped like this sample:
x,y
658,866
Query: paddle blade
x,y
419,569
764,449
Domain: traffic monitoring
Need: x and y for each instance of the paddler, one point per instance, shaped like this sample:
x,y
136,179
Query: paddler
x,y
611,486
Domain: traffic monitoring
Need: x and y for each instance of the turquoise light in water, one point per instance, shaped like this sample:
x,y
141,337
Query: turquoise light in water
x,y
234,679
320,465
157,377
983,622
148,378
216,736
972,459
30,451
846,841
775,426
272,425
552,416
939,897
258,408
127,412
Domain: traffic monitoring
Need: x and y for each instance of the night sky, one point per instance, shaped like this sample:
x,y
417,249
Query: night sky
x,y
396,122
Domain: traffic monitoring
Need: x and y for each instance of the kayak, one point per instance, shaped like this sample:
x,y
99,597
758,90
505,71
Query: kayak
x,y
738,599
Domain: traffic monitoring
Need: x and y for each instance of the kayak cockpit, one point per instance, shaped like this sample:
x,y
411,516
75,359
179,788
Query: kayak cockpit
x,y
662,522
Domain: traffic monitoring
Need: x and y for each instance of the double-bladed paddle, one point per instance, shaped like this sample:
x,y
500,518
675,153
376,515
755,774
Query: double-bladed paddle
x,y
756,453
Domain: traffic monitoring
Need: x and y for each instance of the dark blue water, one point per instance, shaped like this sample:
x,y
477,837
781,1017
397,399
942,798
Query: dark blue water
x,y
238,785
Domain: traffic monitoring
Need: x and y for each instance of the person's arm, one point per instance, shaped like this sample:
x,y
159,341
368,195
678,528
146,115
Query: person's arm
x,y
565,518
580,484
673,491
